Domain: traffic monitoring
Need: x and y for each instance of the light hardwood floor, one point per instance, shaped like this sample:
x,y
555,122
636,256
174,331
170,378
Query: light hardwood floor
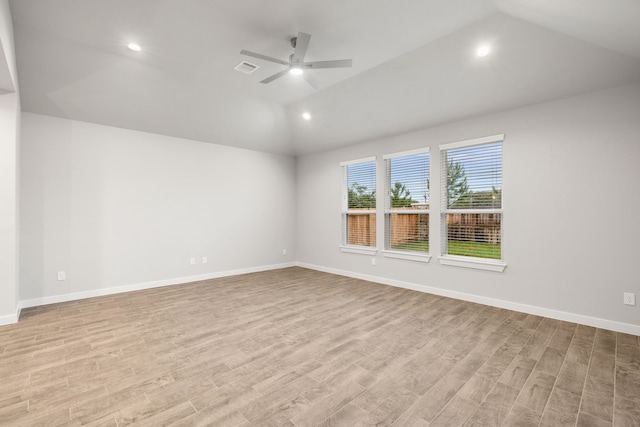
x,y
297,347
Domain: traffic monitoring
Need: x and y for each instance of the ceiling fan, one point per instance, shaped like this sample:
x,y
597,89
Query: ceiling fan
x,y
296,64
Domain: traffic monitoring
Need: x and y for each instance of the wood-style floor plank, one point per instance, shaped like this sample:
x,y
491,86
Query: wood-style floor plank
x,y
296,347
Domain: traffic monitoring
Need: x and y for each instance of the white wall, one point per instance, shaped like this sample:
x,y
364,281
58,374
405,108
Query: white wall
x,y
115,208
8,68
9,134
9,137
571,229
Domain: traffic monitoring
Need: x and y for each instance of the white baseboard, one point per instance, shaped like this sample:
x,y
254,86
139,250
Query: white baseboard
x,y
9,318
140,286
524,308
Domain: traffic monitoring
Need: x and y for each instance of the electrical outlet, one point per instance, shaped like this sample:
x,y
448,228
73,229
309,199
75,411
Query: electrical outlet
x,y
192,261
373,261
629,298
284,252
205,260
62,275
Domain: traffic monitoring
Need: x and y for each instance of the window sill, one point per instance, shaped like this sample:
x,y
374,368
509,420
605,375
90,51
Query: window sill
x,y
407,255
361,250
476,263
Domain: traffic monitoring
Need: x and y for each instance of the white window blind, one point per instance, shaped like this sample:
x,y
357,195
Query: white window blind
x,y
471,198
359,202
407,201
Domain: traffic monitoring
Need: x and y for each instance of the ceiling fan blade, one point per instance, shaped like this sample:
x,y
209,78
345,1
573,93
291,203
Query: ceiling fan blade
x,y
275,76
311,80
338,63
265,57
302,43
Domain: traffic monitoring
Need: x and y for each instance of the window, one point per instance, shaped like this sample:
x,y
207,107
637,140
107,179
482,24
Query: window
x,y
359,206
406,204
471,202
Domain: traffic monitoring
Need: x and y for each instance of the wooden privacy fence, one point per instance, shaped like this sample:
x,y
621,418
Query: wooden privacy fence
x,y
361,229
404,228
409,227
475,227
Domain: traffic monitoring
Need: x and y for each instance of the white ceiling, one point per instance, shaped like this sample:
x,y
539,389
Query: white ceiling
x,y
414,63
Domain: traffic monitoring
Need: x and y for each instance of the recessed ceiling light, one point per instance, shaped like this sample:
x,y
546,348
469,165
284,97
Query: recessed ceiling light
x,y
134,47
296,71
306,116
483,50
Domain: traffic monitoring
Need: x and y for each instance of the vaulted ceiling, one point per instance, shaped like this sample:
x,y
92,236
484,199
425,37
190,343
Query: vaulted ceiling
x,y
414,64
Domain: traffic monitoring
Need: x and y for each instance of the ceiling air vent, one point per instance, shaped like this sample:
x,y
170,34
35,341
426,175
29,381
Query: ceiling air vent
x,y
246,67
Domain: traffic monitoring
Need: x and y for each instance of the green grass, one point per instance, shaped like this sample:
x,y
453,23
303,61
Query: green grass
x,y
474,249
420,246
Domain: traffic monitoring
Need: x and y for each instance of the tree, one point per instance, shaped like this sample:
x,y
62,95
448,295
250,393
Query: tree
x,y
359,198
400,196
457,185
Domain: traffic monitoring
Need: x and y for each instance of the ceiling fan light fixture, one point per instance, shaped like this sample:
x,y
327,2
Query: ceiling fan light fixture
x,y
134,47
296,71
306,115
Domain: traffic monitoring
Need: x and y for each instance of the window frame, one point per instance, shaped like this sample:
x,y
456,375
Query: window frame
x,y
345,211
389,252
458,260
